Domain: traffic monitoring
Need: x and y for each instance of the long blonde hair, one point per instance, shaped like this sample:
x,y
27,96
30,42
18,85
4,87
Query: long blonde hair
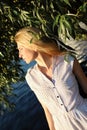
x,y
31,38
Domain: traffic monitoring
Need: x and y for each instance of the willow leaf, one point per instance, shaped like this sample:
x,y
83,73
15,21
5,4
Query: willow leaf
x,y
52,6
62,27
67,25
56,21
67,2
44,30
39,17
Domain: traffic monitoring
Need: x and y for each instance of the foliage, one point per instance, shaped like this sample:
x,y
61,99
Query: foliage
x,y
61,18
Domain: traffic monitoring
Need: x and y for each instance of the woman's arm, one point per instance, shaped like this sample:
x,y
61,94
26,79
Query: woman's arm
x,y
82,79
48,117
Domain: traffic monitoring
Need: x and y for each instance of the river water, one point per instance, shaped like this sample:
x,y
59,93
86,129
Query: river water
x,y
27,114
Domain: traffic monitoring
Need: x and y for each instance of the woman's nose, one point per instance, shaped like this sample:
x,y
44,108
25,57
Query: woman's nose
x,y
20,55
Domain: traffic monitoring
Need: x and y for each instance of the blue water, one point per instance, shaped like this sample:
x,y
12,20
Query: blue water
x,y
27,114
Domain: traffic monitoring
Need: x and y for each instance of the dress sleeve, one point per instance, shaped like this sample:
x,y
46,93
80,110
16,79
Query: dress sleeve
x,y
34,83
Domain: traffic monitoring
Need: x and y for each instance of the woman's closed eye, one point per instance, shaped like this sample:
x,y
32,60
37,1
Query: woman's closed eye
x,y
20,49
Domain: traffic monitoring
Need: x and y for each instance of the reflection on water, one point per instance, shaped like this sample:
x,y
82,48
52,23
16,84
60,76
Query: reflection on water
x,y
28,113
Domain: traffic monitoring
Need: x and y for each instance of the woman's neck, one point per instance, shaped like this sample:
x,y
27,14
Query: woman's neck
x,y
44,60
45,64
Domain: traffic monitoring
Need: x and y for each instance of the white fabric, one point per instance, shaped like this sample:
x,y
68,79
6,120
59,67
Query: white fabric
x,y
62,98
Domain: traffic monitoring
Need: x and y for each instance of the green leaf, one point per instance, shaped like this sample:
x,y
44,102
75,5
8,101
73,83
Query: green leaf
x,y
67,25
1,54
67,2
56,21
83,25
51,5
39,17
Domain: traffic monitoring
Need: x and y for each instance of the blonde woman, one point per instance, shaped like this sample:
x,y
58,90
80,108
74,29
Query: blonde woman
x,y
53,79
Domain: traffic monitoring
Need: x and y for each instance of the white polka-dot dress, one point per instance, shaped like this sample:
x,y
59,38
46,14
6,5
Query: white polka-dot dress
x,y
61,95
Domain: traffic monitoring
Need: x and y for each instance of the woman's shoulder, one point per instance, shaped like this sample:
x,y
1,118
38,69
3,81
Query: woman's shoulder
x,y
66,57
69,57
64,60
31,69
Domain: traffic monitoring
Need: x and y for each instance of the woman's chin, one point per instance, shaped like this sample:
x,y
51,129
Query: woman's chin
x,y
27,62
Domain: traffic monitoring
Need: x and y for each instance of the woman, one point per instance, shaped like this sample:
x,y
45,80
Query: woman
x,y
53,80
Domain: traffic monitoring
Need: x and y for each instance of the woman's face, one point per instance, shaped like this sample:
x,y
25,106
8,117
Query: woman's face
x,y
26,54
